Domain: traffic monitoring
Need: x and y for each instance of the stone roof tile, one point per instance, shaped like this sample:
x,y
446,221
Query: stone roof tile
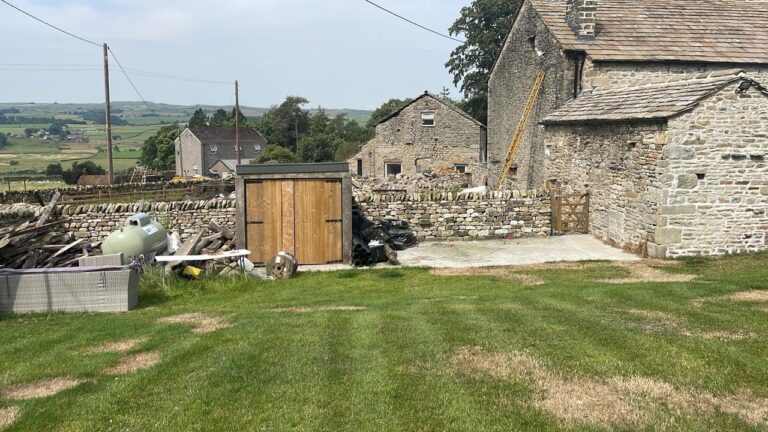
x,y
723,31
651,102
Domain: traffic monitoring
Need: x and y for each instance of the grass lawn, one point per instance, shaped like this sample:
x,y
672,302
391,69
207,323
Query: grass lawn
x,y
557,348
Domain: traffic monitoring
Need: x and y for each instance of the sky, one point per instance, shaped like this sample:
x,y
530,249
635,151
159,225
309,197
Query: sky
x,y
336,53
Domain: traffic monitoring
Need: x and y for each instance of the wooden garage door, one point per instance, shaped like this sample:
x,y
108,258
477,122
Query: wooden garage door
x,y
303,217
318,221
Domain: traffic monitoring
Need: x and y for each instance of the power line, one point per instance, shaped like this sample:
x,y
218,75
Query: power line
x,y
150,74
412,22
51,25
45,67
128,78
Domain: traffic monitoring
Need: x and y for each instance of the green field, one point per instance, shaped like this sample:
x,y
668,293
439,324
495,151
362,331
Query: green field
x,y
32,154
565,347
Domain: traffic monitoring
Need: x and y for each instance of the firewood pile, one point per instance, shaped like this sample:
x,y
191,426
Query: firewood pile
x,y
42,244
214,239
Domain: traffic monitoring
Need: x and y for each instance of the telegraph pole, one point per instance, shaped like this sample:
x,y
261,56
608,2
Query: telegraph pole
x,y
237,122
108,115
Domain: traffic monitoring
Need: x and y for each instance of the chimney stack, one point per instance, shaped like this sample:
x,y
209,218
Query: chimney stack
x,y
581,16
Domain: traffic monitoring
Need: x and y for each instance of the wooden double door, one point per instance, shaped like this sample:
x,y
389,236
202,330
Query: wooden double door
x,y
302,217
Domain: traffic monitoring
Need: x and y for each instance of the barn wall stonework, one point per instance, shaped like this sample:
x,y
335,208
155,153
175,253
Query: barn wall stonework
x,y
619,166
453,140
716,166
602,76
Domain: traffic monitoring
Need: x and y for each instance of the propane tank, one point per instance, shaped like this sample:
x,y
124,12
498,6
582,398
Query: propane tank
x,y
140,235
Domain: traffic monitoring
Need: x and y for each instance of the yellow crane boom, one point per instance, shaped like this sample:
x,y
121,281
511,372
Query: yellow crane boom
x,y
518,136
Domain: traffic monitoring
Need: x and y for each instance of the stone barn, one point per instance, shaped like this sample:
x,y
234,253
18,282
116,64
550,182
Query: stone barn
x,y
425,136
673,169
582,46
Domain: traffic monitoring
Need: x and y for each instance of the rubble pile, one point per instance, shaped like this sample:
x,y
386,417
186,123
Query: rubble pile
x,y
213,240
413,183
42,244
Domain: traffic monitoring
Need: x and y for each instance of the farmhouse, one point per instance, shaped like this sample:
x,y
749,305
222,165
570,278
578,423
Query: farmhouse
x,y
656,108
426,135
200,151
586,45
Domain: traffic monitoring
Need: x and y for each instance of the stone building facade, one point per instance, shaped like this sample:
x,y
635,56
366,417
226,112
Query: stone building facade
x,y
591,45
201,151
686,174
426,136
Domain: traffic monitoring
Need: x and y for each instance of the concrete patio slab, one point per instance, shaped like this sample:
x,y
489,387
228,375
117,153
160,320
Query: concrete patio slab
x,y
489,253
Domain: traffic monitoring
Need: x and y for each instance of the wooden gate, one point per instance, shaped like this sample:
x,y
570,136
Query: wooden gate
x,y
570,213
302,217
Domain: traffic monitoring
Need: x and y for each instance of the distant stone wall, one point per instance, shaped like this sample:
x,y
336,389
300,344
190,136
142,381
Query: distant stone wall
x,y
448,216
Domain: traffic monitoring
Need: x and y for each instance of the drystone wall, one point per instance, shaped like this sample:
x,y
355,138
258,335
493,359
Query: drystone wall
x,y
432,215
97,221
453,217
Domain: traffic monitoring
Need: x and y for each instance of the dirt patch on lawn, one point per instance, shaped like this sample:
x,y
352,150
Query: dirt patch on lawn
x,y
40,389
307,309
510,273
755,296
118,346
643,272
624,402
134,363
8,416
657,321
203,323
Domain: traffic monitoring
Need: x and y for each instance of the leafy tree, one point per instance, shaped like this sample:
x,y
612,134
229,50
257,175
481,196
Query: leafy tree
x,y
231,119
284,125
57,127
54,169
384,110
3,140
322,139
484,25
219,119
199,119
159,151
275,153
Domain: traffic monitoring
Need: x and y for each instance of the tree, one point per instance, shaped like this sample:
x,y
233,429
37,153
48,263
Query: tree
x,y
322,139
199,119
3,140
275,153
54,169
484,25
284,125
159,151
219,119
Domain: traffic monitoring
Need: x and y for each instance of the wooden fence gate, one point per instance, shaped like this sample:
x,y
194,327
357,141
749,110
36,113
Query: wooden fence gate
x,y
570,213
302,217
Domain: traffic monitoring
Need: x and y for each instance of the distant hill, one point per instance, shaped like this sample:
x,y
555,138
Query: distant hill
x,y
137,113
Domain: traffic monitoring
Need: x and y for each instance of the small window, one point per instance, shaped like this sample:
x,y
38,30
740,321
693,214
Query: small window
x,y
257,147
460,168
428,119
360,167
393,169
512,171
214,149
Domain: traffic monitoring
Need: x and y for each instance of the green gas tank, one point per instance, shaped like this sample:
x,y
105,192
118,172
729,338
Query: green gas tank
x,y
140,235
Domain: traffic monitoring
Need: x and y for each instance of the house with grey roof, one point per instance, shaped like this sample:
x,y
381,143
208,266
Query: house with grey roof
x,y
211,151
657,108
427,135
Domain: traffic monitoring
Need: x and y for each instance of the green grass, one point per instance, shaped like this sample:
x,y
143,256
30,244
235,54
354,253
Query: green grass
x,y
389,367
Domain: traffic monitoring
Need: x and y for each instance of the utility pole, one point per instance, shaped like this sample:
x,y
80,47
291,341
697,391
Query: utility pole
x,y
108,115
237,122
